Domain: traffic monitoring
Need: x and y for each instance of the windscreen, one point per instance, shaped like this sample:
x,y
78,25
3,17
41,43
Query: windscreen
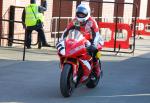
x,y
75,34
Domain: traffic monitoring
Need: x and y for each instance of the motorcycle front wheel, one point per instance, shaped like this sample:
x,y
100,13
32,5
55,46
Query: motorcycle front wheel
x,y
66,81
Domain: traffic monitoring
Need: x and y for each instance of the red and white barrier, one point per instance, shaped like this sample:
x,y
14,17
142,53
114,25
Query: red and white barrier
x,y
120,43
142,28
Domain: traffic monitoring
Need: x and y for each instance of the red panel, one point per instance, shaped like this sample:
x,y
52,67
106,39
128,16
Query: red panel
x,y
144,22
119,43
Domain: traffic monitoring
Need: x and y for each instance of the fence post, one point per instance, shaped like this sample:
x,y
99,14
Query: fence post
x,y
0,32
11,25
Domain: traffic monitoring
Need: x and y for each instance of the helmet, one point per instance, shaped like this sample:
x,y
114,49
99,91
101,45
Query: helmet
x,y
83,12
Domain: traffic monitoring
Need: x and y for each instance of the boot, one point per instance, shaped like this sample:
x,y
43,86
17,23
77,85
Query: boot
x,y
28,47
97,68
85,73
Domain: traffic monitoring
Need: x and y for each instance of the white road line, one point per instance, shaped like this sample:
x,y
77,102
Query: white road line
x,y
130,95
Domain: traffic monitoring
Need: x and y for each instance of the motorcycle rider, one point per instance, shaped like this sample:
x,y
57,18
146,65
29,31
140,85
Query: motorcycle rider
x,y
86,24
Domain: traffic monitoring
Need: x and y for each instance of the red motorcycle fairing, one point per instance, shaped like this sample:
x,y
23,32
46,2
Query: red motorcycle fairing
x,y
86,67
75,62
74,48
76,53
72,61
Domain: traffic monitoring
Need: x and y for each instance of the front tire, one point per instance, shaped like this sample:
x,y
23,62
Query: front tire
x,y
66,81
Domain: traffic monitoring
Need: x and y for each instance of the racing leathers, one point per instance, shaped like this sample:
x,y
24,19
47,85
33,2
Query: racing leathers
x,y
90,26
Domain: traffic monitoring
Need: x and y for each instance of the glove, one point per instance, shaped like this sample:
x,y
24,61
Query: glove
x,y
92,48
60,47
88,44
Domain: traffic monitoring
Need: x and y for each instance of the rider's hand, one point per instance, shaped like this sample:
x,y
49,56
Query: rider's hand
x,y
61,47
92,48
59,44
88,44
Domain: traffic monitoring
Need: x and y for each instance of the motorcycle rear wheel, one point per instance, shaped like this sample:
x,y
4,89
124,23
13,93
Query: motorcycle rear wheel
x,y
66,81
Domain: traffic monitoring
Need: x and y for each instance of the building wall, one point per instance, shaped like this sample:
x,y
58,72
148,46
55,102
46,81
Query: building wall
x,y
143,9
108,11
68,10
74,8
120,8
148,9
138,3
96,9
128,11
1,6
65,11
105,10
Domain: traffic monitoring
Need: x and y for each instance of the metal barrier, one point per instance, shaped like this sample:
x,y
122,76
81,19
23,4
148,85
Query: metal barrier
x,y
11,39
56,32
104,26
54,27
11,30
122,41
54,24
11,22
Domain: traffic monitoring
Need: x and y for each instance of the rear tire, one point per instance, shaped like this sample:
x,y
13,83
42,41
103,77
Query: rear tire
x,y
66,81
93,83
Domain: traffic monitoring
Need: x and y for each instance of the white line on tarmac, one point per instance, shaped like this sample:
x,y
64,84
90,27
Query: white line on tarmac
x,y
130,95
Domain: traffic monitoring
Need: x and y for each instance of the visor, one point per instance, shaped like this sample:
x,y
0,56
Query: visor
x,y
80,15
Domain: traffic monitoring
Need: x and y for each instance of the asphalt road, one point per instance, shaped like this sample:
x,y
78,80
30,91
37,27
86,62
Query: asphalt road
x,y
125,80
126,77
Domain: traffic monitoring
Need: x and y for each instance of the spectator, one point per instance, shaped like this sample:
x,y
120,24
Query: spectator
x,y
33,18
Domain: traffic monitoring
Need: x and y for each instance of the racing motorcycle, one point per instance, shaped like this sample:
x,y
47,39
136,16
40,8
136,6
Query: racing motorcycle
x,y
76,63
